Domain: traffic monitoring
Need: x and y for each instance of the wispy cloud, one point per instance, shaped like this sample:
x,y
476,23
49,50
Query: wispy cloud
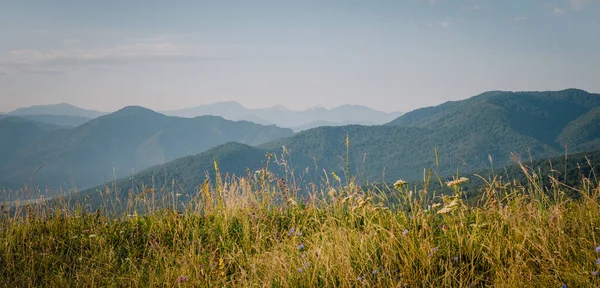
x,y
558,11
470,7
445,24
139,50
572,6
519,18
580,4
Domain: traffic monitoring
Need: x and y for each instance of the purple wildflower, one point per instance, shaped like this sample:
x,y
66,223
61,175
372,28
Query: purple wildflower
x,y
359,278
375,272
595,273
432,251
299,270
291,232
404,232
181,279
598,261
455,258
299,233
300,247
598,249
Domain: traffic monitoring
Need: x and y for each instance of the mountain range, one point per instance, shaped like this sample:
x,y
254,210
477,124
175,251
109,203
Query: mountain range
x,y
455,137
297,120
64,114
112,145
143,146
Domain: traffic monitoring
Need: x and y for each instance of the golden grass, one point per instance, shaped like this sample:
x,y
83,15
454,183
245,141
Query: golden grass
x,y
243,233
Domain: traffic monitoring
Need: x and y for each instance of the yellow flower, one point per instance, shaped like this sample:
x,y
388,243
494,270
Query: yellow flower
x,y
457,182
399,184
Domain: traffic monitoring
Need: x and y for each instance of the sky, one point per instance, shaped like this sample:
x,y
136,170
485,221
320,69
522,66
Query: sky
x,y
395,55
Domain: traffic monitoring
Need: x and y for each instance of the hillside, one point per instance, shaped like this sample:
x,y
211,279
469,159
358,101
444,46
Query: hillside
x,y
128,140
584,131
63,109
16,132
59,120
466,134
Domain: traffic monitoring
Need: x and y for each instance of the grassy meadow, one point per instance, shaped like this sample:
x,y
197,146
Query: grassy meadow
x,y
259,231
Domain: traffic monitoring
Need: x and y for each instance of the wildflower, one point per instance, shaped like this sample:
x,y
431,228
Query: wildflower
x,y
595,273
359,278
399,184
181,279
301,246
404,232
375,272
597,261
299,270
432,251
291,231
457,182
299,233
455,258
598,249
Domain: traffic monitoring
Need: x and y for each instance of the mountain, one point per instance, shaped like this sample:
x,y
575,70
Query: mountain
x,y
16,132
229,110
466,134
59,120
284,117
63,109
127,140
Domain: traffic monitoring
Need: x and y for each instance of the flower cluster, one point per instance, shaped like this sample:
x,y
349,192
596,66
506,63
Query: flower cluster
x,y
457,182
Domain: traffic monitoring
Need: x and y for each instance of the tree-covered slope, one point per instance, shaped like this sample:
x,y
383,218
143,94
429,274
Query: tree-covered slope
x,y
16,132
583,132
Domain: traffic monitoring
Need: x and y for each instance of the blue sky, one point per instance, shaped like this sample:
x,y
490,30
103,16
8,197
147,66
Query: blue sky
x,y
390,55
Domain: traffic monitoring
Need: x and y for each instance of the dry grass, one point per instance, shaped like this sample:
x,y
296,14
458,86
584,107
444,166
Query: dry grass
x,y
243,233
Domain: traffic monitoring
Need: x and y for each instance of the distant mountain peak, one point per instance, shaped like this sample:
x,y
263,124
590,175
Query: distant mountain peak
x,y
62,109
134,109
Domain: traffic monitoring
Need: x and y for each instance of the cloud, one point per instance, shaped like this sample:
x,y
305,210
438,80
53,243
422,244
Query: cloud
x,y
519,18
558,11
574,5
471,7
141,50
580,4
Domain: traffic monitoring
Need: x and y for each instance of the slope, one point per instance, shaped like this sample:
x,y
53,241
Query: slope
x,y
59,120
583,132
16,132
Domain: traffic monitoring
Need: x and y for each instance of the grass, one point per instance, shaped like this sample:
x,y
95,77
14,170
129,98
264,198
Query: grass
x,y
257,231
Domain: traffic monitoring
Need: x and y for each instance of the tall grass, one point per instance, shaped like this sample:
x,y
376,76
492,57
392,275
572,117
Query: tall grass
x,y
256,231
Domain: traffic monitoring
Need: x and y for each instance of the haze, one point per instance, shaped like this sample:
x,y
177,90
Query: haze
x,y
389,55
